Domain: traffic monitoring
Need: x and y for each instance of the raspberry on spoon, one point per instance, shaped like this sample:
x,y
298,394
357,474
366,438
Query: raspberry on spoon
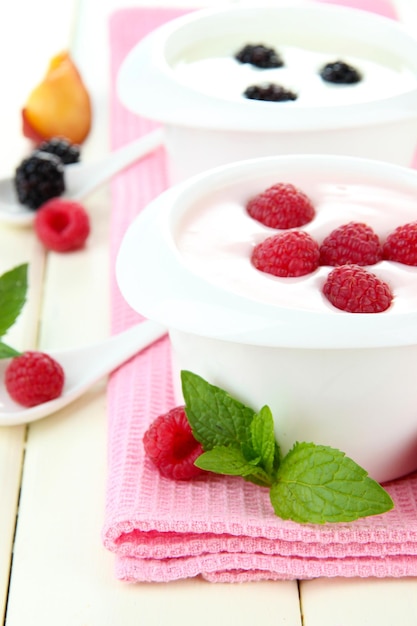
x,y
33,378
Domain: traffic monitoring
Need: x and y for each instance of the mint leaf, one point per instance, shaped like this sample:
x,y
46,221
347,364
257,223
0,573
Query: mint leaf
x,y
13,288
215,417
263,440
231,462
311,484
319,484
6,351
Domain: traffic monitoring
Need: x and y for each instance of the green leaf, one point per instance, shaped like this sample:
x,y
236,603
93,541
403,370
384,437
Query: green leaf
x,y
6,351
311,484
319,484
231,462
13,288
215,417
263,439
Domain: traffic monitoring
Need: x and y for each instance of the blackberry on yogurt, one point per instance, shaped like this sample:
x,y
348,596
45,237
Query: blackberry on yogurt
x,y
269,92
341,73
259,55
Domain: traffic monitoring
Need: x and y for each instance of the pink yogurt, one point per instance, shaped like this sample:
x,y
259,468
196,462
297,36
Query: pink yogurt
x,y
217,236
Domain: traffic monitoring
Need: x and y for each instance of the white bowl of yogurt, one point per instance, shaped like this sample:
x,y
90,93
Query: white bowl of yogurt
x,y
331,377
185,75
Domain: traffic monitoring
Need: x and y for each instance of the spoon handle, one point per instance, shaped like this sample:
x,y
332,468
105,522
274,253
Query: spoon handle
x,y
102,358
82,178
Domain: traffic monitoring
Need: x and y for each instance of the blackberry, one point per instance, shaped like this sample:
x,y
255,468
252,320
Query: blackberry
x,y
341,73
260,56
61,147
269,92
39,178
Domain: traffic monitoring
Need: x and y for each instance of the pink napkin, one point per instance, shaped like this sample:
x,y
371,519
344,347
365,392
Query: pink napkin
x,y
221,529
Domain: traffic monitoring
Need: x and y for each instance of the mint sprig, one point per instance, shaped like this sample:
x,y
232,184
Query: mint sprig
x,y
13,289
310,484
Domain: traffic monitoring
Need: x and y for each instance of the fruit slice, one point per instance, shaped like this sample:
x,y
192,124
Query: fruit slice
x,y
60,105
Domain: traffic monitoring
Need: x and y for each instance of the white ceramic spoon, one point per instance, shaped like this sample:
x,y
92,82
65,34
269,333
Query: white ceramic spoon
x,y
80,178
83,367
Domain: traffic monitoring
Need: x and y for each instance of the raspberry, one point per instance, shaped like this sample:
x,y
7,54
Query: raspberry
x,y
340,72
354,243
68,152
292,253
401,245
33,378
269,92
354,289
260,56
170,444
62,225
39,178
281,206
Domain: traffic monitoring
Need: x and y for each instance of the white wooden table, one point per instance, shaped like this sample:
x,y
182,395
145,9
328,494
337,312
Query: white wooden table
x,y
53,567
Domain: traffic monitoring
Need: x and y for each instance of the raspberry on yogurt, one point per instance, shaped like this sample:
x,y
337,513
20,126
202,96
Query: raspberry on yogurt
x,y
292,253
281,206
401,245
354,289
224,244
354,242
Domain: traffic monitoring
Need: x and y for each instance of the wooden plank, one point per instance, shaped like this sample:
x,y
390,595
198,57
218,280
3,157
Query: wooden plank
x,y
11,455
26,45
17,247
359,602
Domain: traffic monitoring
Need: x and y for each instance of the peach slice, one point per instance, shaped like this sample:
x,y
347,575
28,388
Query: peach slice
x,y
60,105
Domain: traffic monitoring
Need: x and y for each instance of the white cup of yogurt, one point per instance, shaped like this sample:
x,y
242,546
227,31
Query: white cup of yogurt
x,y
185,75
331,377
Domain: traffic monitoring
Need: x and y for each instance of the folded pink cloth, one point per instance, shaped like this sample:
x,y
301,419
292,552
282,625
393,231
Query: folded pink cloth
x,y
222,529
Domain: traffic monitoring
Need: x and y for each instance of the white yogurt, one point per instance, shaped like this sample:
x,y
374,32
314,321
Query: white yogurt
x,y
225,77
216,238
